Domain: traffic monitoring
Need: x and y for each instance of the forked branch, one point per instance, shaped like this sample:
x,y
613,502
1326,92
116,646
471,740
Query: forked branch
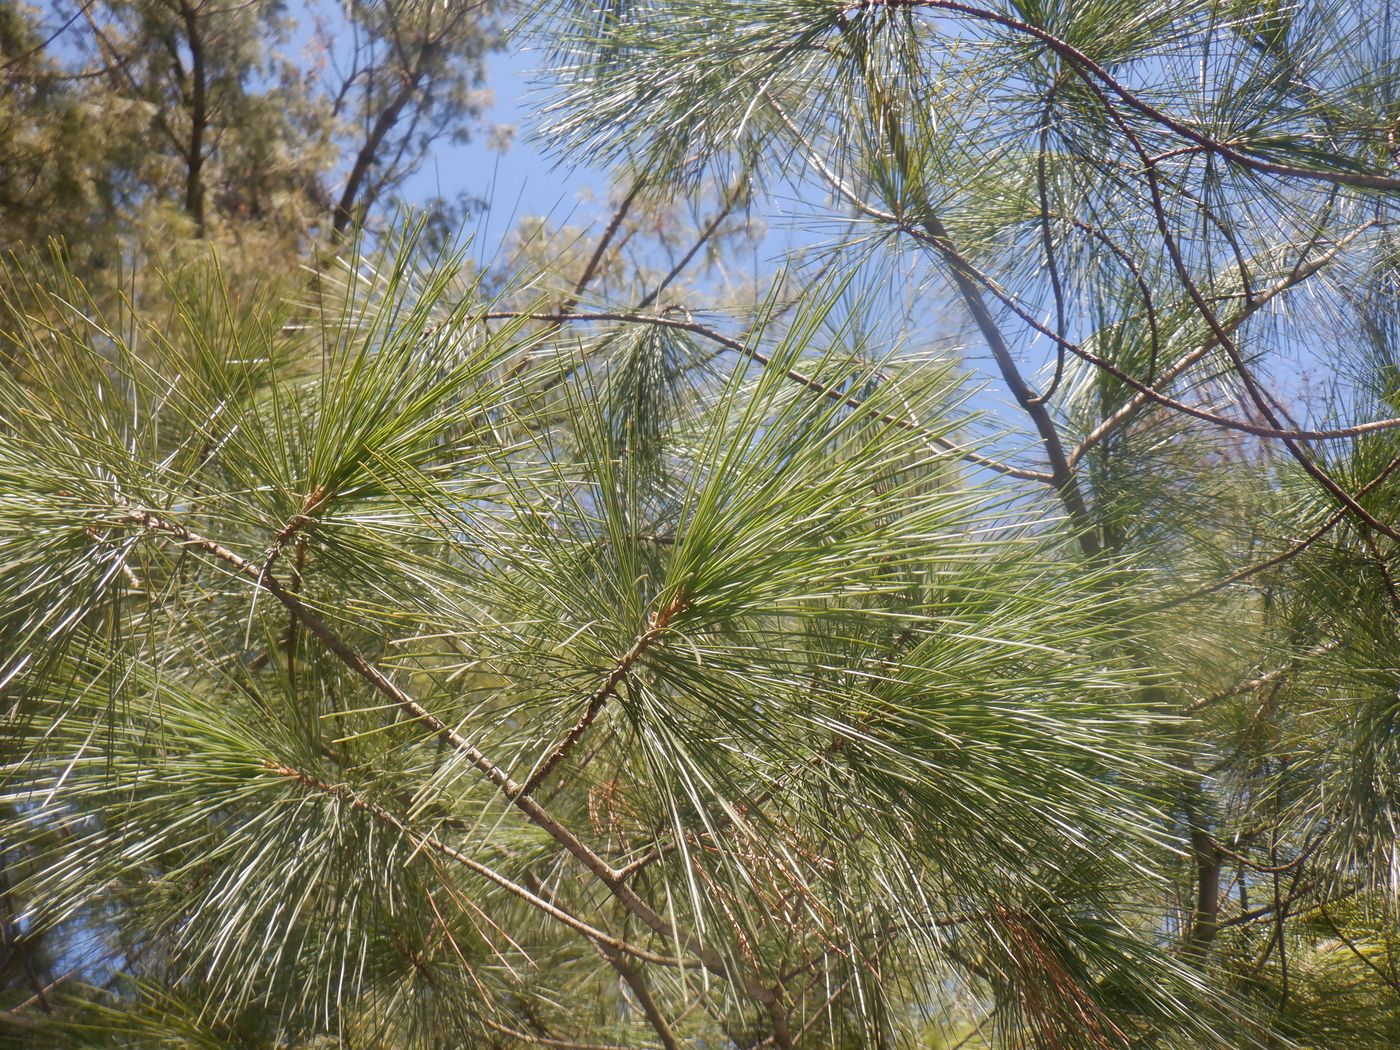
x,y
513,790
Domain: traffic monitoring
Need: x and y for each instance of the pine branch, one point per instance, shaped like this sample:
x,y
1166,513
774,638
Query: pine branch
x,y
659,623
420,840
1300,274
512,790
1099,79
758,357
1262,401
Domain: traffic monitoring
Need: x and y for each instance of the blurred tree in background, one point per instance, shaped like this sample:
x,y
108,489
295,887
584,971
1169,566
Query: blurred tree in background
x,y
977,629
257,124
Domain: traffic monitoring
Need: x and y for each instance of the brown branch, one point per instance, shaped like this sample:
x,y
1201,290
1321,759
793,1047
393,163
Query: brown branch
x,y
1149,307
510,788
1047,241
1389,979
291,533
1260,566
1269,869
1061,475
1145,390
655,629
1262,402
421,840
1392,588
1267,910
364,158
596,259
590,269
1290,437
1278,559
1090,71
635,980
199,119
760,358
1267,678
1299,274
706,232
967,277
632,975
816,1017
1220,337
43,45
976,1031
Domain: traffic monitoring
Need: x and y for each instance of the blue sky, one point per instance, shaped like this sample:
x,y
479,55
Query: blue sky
x,y
526,179
520,180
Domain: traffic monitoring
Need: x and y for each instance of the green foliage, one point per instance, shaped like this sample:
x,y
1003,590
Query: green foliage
x,y
133,126
423,655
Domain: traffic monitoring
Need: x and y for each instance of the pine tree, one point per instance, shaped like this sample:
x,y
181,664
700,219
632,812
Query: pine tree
x,y
504,658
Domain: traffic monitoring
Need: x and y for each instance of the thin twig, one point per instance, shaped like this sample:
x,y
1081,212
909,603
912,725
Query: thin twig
x,y
758,357
708,231
1267,678
590,270
1299,274
1278,559
658,626
651,1010
1092,71
1389,979
1252,387
420,840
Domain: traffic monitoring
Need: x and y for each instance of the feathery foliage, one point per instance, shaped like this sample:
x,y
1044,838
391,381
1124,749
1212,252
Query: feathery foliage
x,y
449,656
